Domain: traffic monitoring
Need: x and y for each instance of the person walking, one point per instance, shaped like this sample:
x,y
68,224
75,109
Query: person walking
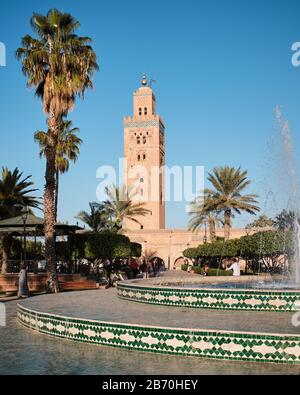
x,y
143,268
134,267
109,273
23,290
235,267
205,270
155,267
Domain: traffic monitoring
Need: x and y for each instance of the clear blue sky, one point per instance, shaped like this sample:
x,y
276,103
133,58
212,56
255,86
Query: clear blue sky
x,y
221,68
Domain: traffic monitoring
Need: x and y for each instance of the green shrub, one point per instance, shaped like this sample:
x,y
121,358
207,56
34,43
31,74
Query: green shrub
x,y
261,251
106,245
211,271
136,249
219,272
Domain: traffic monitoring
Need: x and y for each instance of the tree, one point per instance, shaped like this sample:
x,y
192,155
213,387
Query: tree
x,y
267,250
120,206
200,217
15,193
60,65
286,220
67,149
226,197
105,245
97,219
261,222
271,249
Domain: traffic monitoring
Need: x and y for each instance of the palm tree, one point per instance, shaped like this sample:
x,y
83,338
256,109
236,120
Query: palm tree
x,y
96,219
14,195
261,222
226,196
60,65
200,217
67,149
120,206
286,220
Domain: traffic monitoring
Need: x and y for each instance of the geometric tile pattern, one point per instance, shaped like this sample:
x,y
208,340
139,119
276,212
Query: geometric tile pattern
x,y
143,124
255,300
190,342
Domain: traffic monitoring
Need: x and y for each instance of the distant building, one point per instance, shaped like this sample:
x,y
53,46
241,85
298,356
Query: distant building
x,y
144,152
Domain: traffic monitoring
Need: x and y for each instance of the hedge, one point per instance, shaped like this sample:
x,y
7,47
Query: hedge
x,y
260,244
263,248
211,271
105,245
136,250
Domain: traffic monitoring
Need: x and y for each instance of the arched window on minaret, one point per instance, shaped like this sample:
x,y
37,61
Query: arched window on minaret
x,y
145,111
144,140
139,158
140,111
138,140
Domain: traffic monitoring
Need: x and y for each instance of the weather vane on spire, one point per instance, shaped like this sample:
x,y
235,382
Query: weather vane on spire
x,y
145,80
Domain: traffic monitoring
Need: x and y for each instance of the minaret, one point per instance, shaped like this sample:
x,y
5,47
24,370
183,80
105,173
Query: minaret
x,y
144,152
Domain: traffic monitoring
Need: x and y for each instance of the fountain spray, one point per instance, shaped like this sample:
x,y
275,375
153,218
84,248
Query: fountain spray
x,y
289,168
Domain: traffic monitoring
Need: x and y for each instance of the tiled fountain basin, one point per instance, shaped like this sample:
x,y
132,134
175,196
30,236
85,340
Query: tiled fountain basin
x,y
109,321
160,292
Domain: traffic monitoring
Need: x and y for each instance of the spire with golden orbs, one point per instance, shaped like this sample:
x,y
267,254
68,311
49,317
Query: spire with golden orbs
x,y
144,80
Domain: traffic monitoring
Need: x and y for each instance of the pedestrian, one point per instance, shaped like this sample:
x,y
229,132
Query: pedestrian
x,y
205,270
143,268
117,265
109,273
23,290
155,267
134,267
190,267
235,267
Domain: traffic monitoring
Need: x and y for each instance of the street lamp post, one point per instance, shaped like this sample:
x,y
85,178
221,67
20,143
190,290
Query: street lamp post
x,y
24,218
23,289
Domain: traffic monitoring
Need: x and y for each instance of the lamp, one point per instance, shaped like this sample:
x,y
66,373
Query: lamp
x,y
24,213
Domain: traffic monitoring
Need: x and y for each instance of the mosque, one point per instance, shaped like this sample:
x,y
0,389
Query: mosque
x,y
144,153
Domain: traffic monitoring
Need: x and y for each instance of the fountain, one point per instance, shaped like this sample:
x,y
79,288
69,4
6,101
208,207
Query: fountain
x,y
245,293
242,335
289,167
297,256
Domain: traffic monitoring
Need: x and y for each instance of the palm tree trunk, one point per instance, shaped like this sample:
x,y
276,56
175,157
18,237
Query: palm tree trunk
x,y
56,193
7,242
212,231
49,207
227,224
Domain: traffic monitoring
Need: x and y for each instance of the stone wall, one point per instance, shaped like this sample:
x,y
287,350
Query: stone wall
x,y
169,245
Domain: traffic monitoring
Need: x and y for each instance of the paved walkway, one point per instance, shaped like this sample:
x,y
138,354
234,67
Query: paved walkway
x,y
24,351
104,305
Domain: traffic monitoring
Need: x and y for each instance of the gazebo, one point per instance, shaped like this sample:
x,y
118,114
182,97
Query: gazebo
x,y
33,226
